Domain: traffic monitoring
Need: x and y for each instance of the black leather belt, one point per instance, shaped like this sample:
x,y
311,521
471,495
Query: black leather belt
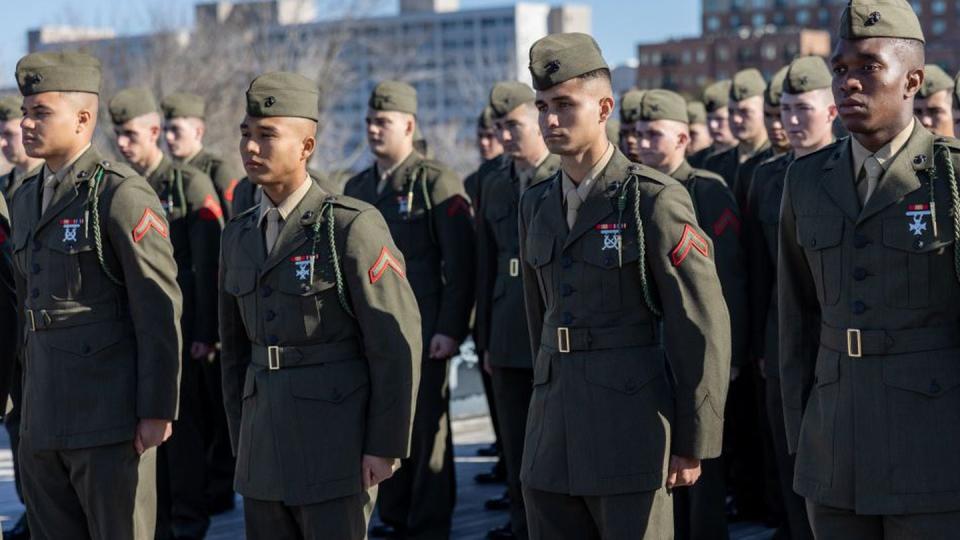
x,y
37,320
566,339
276,357
856,343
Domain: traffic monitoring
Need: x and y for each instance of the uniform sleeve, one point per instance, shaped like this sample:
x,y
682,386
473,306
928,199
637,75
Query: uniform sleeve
x,y
486,278
226,177
761,270
139,237
799,320
205,222
695,320
533,302
724,226
8,305
453,225
389,319
234,355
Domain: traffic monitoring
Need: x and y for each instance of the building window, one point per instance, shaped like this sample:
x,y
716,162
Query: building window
x,y
723,54
759,20
779,18
655,58
643,59
770,51
759,4
938,7
734,21
686,57
701,56
713,23
917,6
823,14
939,27
711,6
803,17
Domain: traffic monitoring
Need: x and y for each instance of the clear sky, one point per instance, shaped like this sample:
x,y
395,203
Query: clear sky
x,y
617,24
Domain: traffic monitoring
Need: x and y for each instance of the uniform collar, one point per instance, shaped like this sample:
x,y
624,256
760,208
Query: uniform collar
x,y
683,172
885,154
287,205
67,168
586,185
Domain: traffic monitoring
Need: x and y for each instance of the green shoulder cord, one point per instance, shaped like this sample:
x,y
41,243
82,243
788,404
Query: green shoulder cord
x,y
93,210
632,178
418,175
326,210
951,178
178,190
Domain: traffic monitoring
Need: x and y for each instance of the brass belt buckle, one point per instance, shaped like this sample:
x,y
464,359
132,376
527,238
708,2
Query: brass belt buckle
x,y
563,339
273,357
854,343
514,267
33,321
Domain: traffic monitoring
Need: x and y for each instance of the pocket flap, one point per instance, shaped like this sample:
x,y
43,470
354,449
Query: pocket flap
x,y
897,234
249,384
497,212
332,382
89,343
240,281
819,232
607,253
539,250
828,368
625,373
932,374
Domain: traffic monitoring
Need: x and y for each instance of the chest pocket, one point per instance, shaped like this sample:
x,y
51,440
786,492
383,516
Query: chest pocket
x,y
768,211
539,254
611,266
503,221
72,269
820,237
305,298
241,283
916,264
21,254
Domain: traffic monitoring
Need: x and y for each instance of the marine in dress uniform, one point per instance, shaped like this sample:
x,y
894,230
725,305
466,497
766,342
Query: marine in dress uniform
x,y
716,97
96,280
431,221
320,336
629,109
700,138
933,105
617,415
869,296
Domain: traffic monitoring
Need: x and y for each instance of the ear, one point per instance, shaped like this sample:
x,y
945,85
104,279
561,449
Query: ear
x,y
606,108
84,121
914,82
309,145
155,132
683,139
832,112
201,129
411,126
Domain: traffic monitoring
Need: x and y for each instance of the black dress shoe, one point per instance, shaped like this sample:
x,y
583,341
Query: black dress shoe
x,y
385,531
19,531
498,503
495,476
501,533
491,450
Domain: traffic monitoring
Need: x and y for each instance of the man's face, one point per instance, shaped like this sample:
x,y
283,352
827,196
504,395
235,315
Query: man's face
x,y
50,125
699,138
184,136
871,85
936,112
661,141
629,142
746,118
775,132
573,115
487,144
274,149
808,118
137,139
718,123
388,132
519,132
11,142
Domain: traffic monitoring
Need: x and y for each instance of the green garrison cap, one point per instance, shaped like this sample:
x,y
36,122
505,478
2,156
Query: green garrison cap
x,y
394,96
58,72
662,104
771,96
630,106
806,74
880,18
696,112
283,93
485,120
10,108
183,105
558,58
130,103
508,95
613,130
717,95
934,80
746,84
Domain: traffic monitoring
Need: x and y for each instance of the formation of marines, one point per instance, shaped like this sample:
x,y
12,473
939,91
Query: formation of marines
x,y
686,311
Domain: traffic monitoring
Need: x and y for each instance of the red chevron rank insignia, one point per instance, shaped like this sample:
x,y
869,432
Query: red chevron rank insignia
x,y
458,205
726,220
211,211
149,220
386,261
689,240
228,193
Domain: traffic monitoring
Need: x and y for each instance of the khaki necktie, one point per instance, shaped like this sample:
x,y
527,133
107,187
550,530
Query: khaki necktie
x,y
49,189
272,231
867,179
573,201
382,184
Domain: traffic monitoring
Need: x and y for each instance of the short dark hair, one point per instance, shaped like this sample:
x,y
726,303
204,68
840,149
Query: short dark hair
x,y
602,73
